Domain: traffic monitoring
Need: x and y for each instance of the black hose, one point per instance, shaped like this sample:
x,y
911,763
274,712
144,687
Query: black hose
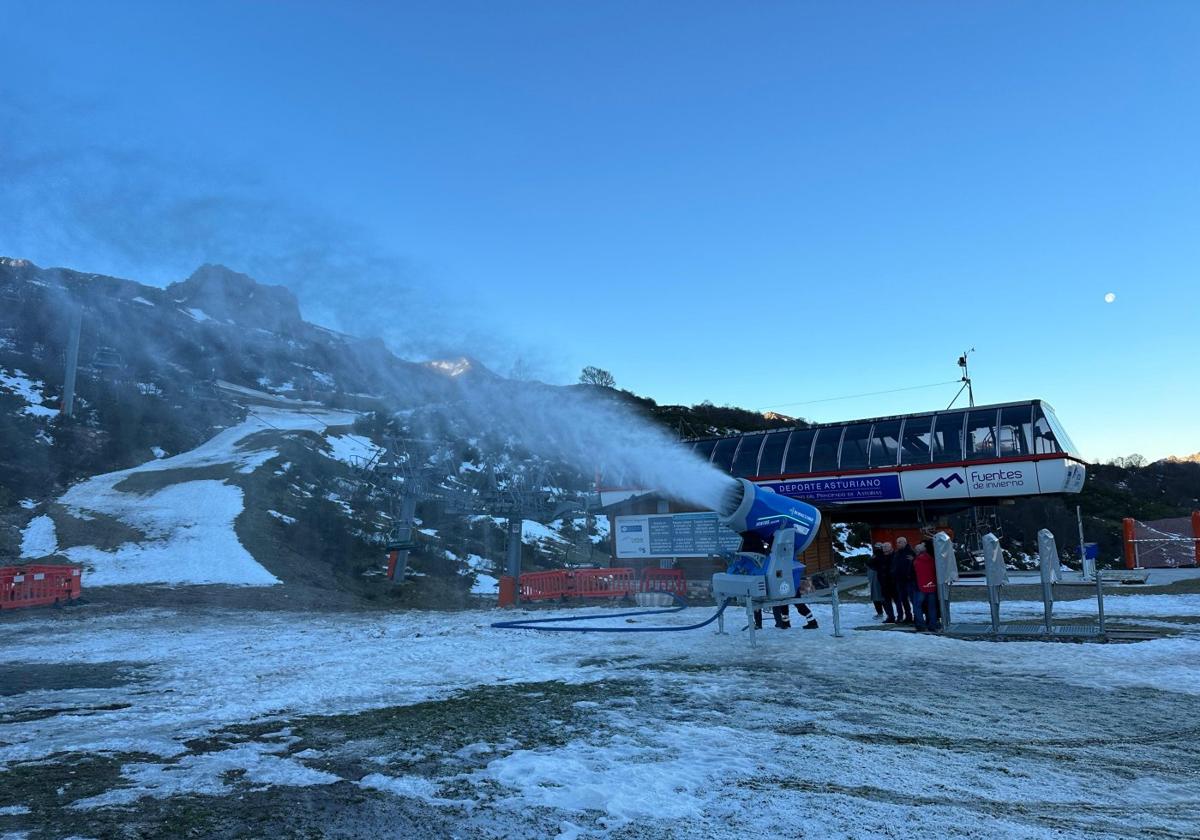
x,y
535,623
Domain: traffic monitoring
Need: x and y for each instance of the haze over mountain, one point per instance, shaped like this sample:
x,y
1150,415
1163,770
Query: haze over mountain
x,y
221,438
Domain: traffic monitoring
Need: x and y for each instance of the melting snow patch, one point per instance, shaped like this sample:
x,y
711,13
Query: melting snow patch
x,y
29,390
668,773
532,531
203,774
351,449
142,300
189,535
28,504
198,315
39,538
283,517
842,536
414,787
340,502
485,583
14,810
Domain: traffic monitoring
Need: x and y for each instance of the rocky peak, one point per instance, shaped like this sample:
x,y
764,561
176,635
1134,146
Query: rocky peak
x,y
226,295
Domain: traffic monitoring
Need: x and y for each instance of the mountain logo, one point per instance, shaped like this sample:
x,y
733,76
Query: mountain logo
x,y
946,481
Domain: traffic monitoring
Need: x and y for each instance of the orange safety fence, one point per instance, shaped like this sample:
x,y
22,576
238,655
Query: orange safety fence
x,y
541,586
604,583
594,583
37,585
664,580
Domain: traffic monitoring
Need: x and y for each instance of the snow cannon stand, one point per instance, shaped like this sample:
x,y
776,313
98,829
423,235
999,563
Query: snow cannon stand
x,y
786,527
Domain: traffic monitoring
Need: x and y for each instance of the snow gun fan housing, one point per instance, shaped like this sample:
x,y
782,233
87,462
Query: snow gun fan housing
x,y
747,507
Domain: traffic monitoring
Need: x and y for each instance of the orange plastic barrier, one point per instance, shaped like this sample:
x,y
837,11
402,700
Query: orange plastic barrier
x,y
604,583
35,586
594,583
1129,533
508,591
664,580
542,586
1196,533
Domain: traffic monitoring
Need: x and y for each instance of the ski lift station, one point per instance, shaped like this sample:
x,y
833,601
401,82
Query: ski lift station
x,y
900,473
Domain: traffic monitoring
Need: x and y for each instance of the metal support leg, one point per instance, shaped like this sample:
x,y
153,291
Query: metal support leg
x,y
1048,605
68,398
513,549
1100,601
837,612
721,623
994,603
750,622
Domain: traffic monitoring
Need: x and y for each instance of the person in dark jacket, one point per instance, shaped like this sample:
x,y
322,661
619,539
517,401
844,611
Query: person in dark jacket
x,y
874,584
887,585
902,575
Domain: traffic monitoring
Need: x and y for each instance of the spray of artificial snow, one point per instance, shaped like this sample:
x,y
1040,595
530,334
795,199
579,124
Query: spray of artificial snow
x,y
596,432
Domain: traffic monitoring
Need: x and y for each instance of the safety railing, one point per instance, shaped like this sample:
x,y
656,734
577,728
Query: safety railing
x,y
560,584
665,580
543,586
604,583
37,585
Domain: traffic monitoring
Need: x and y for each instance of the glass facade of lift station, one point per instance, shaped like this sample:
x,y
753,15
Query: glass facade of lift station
x,y
980,434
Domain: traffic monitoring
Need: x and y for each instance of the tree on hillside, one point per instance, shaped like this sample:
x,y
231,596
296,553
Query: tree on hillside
x,y
592,375
1130,462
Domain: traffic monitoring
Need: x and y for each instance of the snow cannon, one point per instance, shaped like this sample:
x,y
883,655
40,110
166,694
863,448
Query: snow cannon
x,y
787,525
748,507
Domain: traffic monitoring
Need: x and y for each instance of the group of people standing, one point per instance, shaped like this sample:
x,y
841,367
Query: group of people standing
x,y
903,582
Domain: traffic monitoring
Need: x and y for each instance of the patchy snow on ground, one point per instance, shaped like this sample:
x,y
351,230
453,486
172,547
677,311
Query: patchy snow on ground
x,y
881,733
188,526
197,315
601,527
30,390
841,542
188,538
283,517
533,531
38,539
355,450
342,504
28,504
158,452
486,583
205,773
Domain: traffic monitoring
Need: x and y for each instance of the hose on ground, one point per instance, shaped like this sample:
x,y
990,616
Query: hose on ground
x,y
540,623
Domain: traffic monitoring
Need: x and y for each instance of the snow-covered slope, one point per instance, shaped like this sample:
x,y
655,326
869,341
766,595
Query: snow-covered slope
x,y
186,525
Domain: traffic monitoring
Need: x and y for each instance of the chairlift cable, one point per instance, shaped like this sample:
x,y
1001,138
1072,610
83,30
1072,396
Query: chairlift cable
x,y
855,396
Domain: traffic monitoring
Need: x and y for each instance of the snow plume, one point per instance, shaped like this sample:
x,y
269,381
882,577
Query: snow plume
x,y
592,429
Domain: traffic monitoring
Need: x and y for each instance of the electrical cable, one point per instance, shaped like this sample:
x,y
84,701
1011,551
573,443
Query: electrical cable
x,y
528,624
868,394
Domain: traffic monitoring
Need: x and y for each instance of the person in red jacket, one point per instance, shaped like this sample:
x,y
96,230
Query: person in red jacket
x,y
925,606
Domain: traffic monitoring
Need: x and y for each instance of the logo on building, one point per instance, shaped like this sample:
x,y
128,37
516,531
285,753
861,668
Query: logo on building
x,y
946,481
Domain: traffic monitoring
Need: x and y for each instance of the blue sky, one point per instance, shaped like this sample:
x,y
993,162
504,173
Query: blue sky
x,y
760,204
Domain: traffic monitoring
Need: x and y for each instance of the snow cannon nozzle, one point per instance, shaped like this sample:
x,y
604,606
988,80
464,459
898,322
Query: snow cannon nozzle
x,y
748,507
